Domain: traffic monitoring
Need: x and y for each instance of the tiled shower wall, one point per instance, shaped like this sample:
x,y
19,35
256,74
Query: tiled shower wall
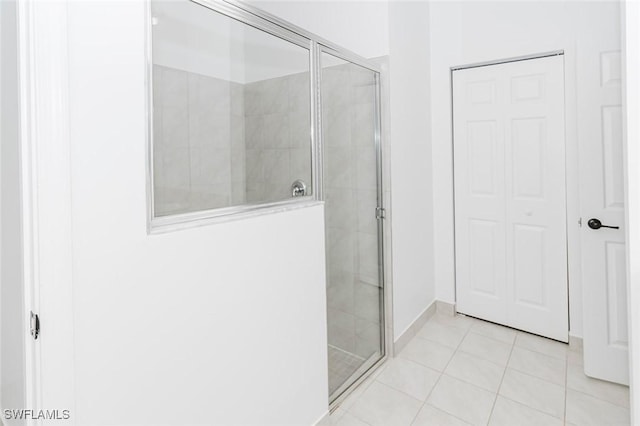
x,y
277,129
354,293
219,143
199,152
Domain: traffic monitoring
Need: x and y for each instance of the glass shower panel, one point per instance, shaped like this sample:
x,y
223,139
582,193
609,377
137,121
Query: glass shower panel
x,y
354,286
231,112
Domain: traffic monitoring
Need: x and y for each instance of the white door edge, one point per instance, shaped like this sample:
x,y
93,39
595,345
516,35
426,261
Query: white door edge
x,y
46,188
631,108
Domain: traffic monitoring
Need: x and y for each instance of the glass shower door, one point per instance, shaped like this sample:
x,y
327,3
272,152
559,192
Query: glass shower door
x,y
352,192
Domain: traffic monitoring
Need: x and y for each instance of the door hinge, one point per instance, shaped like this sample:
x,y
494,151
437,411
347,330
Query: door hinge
x,y
380,213
35,325
580,222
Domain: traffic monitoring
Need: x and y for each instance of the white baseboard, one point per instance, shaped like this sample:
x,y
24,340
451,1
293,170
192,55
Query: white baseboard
x,y
324,420
445,308
416,325
575,343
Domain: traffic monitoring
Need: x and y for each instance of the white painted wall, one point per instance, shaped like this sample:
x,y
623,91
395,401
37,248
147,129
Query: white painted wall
x,y
631,94
411,179
468,32
360,26
12,331
223,323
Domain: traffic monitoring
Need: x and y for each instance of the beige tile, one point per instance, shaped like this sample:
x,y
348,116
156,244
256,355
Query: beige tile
x,y
574,357
428,353
363,124
339,168
174,87
366,167
336,88
300,163
475,370
382,405
276,131
253,132
495,331
508,413
350,400
431,416
337,126
175,127
276,166
367,300
299,92
607,391
275,95
583,409
486,348
446,335
339,412
300,130
536,364
409,377
348,420
542,345
466,401
368,339
533,392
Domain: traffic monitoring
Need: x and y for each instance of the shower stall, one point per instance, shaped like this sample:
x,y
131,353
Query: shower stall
x,y
249,115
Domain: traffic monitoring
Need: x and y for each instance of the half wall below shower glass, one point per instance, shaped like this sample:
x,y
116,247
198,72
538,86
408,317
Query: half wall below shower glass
x,y
351,187
231,111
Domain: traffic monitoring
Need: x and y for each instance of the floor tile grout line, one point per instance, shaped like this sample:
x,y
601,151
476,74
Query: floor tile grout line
x,y
455,350
483,358
532,408
401,391
466,331
536,377
599,399
590,394
397,390
493,338
442,373
504,373
542,339
435,341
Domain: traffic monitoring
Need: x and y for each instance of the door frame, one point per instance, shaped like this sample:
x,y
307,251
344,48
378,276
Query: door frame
x,y
631,129
572,199
46,204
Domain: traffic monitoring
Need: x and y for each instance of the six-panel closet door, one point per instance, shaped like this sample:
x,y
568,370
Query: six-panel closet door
x,y
510,203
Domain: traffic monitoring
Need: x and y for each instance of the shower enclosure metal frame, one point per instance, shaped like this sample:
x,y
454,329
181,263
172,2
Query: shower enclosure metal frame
x,y
372,363
316,45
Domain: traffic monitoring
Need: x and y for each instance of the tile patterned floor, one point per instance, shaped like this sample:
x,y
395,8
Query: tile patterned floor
x,y
461,371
